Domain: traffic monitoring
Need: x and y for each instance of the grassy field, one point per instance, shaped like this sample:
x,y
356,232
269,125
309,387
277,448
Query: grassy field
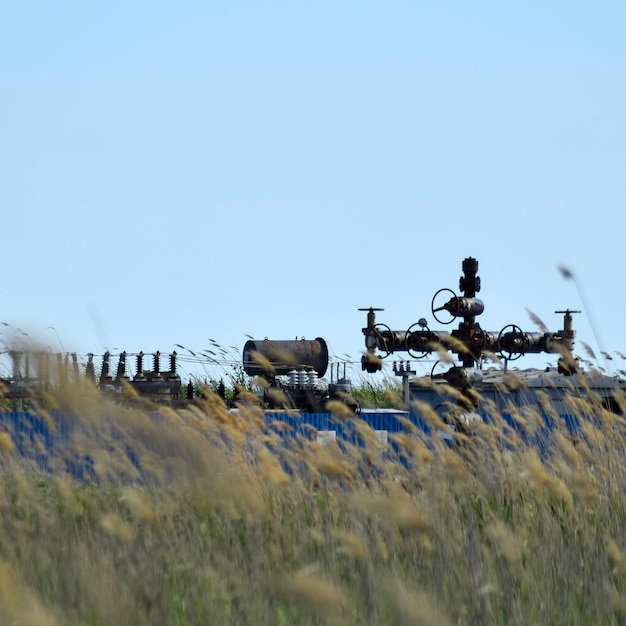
x,y
202,516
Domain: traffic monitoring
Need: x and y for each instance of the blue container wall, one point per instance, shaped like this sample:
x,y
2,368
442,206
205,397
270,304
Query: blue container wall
x,y
36,441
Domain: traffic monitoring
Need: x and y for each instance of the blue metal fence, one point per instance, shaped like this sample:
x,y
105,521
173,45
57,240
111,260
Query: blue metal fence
x,y
45,442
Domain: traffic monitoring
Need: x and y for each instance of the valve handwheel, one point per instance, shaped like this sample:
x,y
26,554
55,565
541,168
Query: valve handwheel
x,y
412,329
435,309
506,353
439,365
384,337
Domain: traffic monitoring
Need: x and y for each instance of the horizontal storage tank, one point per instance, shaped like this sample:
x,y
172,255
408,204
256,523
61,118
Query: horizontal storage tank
x,y
262,357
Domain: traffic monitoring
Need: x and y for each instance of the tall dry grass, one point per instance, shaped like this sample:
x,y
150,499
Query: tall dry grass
x,y
205,516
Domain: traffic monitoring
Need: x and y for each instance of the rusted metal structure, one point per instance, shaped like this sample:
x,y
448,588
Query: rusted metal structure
x,y
468,341
35,372
294,368
268,357
475,348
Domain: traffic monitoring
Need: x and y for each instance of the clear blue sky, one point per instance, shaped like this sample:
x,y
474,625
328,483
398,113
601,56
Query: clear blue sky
x,y
174,172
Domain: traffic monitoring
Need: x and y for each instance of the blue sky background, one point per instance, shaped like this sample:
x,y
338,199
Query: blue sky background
x,y
174,172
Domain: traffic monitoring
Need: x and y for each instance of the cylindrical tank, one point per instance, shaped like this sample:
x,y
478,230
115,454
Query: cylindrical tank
x,y
459,307
279,357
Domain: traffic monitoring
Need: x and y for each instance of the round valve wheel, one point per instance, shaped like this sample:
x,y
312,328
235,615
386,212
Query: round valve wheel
x,y
437,309
413,329
383,337
507,353
439,369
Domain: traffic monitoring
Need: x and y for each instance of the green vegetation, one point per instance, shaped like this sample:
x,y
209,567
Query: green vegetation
x,y
202,524
382,395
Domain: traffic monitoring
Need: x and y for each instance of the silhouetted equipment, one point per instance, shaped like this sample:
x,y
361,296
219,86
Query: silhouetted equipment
x,y
54,370
279,357
475,348
291,370
154,383
469,341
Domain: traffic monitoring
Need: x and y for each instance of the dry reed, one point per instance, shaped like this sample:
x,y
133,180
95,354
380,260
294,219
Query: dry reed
x,y
203,515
